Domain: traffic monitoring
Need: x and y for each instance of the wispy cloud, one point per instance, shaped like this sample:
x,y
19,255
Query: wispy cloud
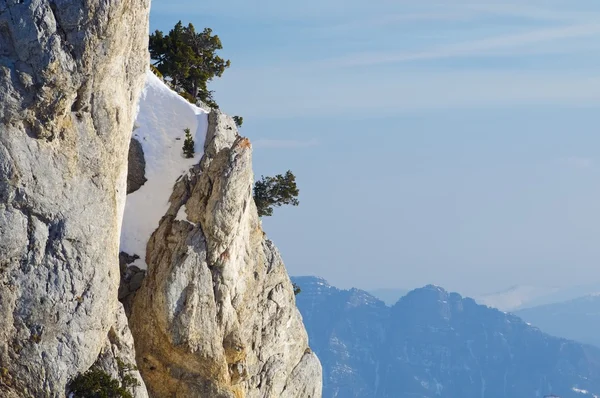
x,y
334,9
465,12
284,144
579,162
470,48
506,54
399,19
545,12
408,90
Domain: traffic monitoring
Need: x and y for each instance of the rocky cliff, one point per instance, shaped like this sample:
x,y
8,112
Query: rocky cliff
x,y
216,314
70,74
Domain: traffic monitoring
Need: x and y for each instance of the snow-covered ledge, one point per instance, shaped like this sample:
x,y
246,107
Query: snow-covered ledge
x,y
162,117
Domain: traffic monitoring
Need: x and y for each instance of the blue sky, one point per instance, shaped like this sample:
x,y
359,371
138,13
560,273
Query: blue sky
x,y
433,143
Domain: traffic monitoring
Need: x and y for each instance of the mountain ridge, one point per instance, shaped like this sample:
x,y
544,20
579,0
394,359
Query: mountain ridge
x,y
437,343
576,319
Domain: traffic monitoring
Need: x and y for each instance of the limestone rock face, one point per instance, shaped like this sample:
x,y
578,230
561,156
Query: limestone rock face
x,y
216,313
70,75
117,356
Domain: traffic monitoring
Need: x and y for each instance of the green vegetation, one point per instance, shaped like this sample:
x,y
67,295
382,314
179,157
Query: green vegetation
x,y
297,289
156,71
189,97
238,120
275,191
188,59
96,383
188,145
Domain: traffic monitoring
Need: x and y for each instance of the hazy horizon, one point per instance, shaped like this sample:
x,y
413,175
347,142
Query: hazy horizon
x,y
586,288
452,145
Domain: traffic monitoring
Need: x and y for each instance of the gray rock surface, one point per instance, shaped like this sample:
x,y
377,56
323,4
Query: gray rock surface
x,y
131,280
136,173
70,74
117,356
216,314
124,260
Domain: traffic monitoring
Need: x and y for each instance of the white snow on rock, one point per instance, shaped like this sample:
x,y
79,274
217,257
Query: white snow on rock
x,y
162,117
181,214
583,392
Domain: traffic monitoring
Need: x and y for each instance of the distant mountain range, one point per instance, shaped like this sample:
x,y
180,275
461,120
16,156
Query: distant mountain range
x,y
432,343
577,319
389,296
516,297
512,299
527,296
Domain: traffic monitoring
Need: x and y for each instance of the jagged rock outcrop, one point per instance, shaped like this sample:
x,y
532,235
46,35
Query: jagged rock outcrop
x,y
216,314
70,74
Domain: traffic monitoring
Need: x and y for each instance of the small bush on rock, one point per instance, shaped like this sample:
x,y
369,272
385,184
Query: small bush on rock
x,y
155,70
188,145
238,120
96,383
189,97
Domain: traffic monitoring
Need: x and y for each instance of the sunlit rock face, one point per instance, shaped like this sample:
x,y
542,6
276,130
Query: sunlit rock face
x,y
70,75
216,314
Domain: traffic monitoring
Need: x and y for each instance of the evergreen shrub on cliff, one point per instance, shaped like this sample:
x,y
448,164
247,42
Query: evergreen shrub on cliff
x,y
275,191
96,383
238,120
188,145
188,59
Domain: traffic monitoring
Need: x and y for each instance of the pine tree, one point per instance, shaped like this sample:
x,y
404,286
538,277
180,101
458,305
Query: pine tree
x,y
188,58
188,144
275,191
238,121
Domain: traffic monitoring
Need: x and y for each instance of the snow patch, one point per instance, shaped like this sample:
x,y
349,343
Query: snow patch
x,y
515,297
583,392
181,214
162,116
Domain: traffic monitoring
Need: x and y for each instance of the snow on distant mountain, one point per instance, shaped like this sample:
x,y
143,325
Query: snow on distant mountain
x,y
577,319
433,343
564,294
526,296
515,297
162,117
